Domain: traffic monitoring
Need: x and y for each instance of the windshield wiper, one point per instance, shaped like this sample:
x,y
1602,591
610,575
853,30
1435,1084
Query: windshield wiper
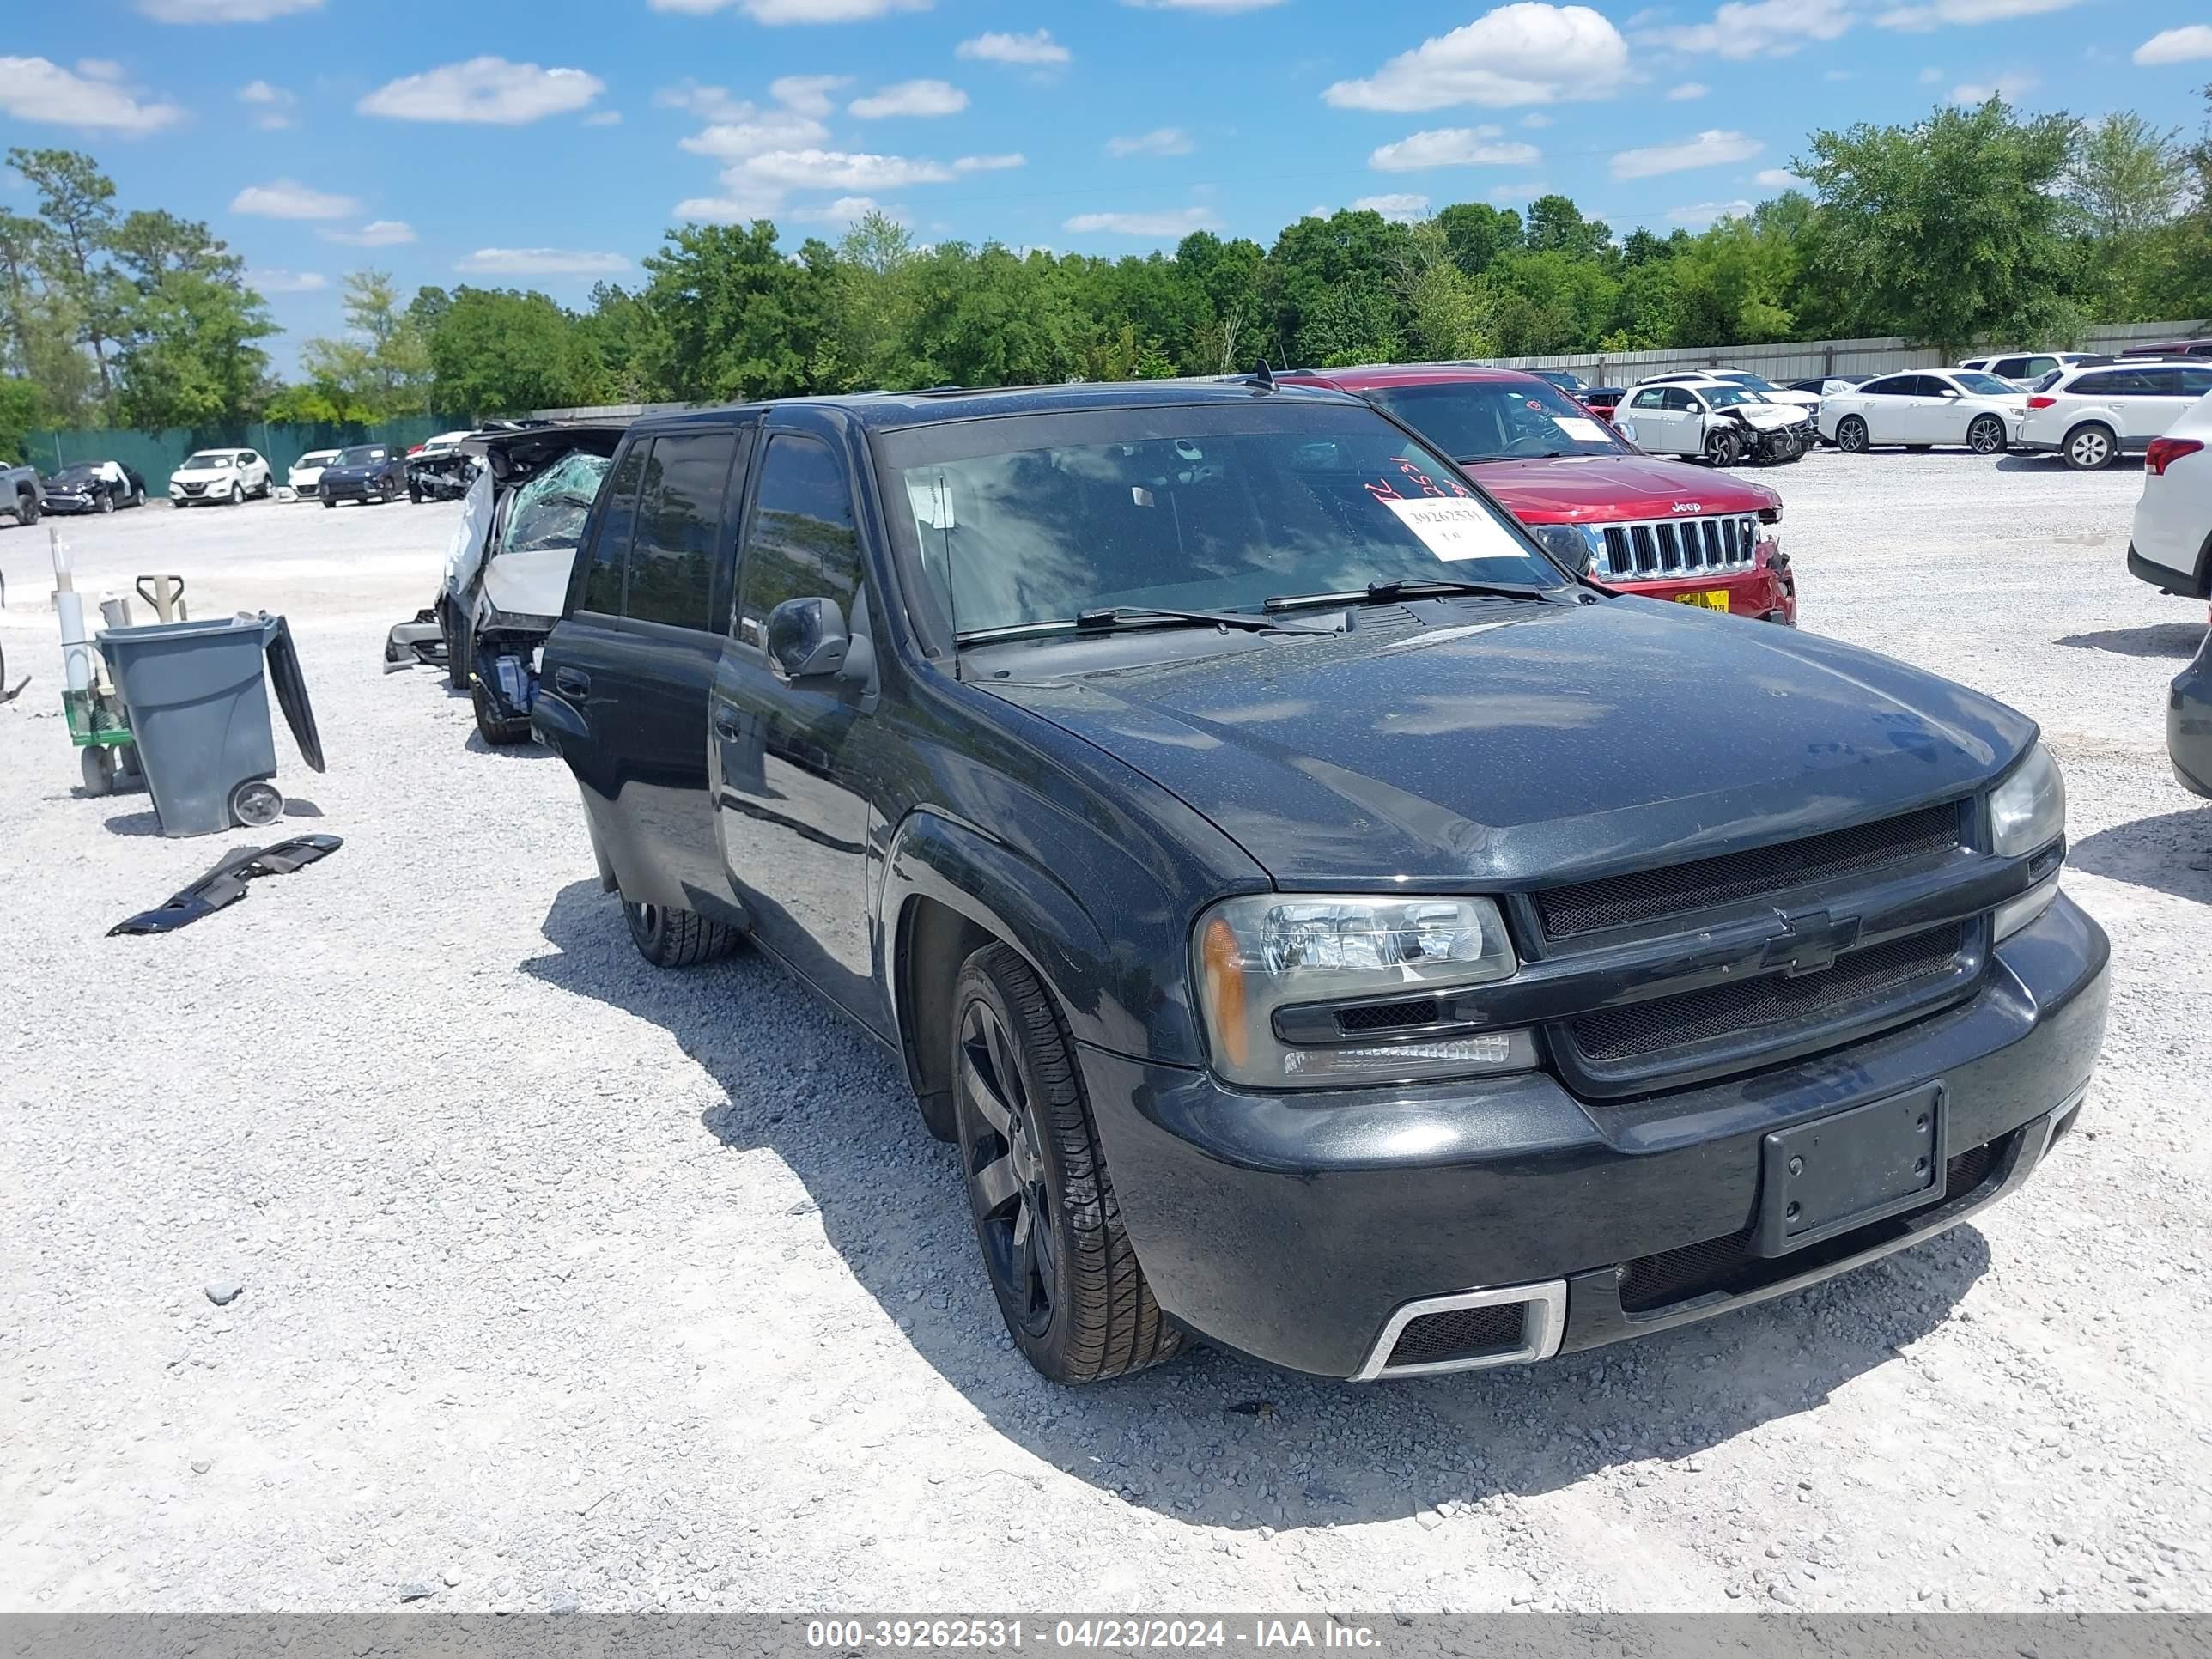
x,y
1115,616
1417,588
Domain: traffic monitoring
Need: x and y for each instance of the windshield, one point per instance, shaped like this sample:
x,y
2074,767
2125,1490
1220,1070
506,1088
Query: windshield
x,y
549,512
80,473
1499,420
1726,397
207,461
1038,519
1753,381
364,455
1986,385
1562,379
317,458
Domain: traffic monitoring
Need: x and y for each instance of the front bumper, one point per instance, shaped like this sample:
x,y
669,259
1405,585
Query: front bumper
x,y
2189,723
356,491
69,504
1766,592
1295,1227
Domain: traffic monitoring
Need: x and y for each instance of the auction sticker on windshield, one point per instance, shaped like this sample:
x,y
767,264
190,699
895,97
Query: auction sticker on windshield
x,y
1580,429
1457,530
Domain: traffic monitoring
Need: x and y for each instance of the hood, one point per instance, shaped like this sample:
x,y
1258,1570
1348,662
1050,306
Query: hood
x,y
1522,745
1606,488
1766,416
337,474
204,474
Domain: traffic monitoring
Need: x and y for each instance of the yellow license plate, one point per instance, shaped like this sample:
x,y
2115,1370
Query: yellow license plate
x,y
1710,599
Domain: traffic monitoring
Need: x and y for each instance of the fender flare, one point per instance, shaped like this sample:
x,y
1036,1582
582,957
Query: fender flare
x,y
1012,897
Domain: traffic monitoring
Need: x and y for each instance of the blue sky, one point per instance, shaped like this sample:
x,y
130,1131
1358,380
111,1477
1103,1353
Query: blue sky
x,y
547,143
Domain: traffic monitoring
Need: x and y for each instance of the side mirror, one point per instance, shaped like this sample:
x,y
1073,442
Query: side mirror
x,y
806,639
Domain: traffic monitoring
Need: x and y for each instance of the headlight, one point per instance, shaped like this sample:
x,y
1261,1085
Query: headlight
x,y
1300,954
2027,811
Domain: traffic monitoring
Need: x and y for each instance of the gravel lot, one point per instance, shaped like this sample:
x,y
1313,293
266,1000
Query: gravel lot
x,y
569,1282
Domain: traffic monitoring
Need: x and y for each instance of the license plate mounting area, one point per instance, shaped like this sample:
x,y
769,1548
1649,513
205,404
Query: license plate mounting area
x,y
1848,1169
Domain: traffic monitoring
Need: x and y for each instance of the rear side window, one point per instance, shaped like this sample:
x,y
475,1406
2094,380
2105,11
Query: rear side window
x,y
2196,381
1648,400
804,543
1897,386
2163,382
2113,383
679,529
603,580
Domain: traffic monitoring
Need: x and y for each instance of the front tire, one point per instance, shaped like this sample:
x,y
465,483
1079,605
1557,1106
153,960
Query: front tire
x,y
1851,435
107,502
27,510
1066,1279
668,938
2090,448
1985,435
499,734
1721,448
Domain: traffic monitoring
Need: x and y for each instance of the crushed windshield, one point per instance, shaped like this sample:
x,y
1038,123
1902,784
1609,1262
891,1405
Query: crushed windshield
x,y
1036,520
549,512
1499,420
1727,397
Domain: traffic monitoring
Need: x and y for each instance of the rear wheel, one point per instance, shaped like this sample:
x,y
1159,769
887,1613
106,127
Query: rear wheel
x,y
1067,1279
137,495
1851,435
669,938
1986,435
498,732
2088,448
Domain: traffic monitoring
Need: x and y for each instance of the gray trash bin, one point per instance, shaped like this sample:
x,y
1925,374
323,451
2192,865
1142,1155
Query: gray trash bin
x,y
197,694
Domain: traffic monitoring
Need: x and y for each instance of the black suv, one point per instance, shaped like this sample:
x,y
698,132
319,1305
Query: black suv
x,y
1326,925
364,473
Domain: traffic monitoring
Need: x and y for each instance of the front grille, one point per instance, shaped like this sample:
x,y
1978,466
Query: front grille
x,y
1727,1265
1461,1333
1647,895
1665,548
1759,1009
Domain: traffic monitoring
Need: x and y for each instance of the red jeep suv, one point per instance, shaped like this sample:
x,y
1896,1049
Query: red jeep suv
x,y
1665,529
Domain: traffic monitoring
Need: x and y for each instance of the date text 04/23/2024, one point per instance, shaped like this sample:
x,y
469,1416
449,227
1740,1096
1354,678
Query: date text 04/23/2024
x,y
1118,1634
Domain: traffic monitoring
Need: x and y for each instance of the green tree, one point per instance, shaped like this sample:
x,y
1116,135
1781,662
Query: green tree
x,y
1478,233
988,316
2127,181
1556,225
1330,283
1444,306
380,369
194,356
1549,300
20,403
1732,285
736,318
1950,230
497,352
77,200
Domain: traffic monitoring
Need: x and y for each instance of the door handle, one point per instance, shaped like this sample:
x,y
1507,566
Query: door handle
x,y
726,727
572,682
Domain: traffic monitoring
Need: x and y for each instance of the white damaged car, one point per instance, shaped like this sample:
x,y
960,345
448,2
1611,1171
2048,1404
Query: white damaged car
x,y
508,568
1716,420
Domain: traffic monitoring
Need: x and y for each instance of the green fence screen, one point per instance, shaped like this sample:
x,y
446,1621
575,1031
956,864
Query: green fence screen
x,y
154,455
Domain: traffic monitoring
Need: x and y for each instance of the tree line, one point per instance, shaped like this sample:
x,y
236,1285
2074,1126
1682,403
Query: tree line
x,y
1969,225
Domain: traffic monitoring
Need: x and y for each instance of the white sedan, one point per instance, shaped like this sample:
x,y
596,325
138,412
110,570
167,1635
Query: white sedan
x,y
1922,410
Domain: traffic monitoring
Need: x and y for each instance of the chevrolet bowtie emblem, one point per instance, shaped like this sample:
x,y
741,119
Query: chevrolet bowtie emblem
x,y
1810,941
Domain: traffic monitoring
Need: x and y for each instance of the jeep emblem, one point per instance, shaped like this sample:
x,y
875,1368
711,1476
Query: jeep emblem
x,y
1689,507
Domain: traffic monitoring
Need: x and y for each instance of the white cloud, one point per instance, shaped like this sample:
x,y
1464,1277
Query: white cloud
x,y
2182,45
1453,146
224,11
1686,91
731,210
99,69
1920,18
286,282
711,103
1525,54
1779,178
1535,118
835,169
287,198
844,210
915,98
541,262
489,91
2010,88
797,11
1706,213
1403,207
771,129
603,117
807,94
1177,223
377,233
1038,49
990,163
274,102
1759,29
1709,149
1160,141
35,89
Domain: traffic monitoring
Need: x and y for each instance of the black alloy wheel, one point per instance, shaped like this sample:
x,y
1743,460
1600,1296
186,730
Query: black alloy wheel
x,y
1005,1170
